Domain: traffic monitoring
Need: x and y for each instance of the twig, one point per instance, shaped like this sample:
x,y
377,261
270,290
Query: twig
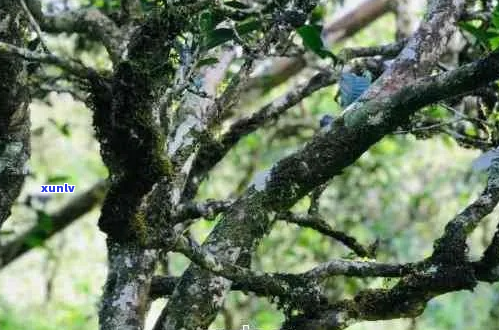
x,y
389,50
35,26
317,223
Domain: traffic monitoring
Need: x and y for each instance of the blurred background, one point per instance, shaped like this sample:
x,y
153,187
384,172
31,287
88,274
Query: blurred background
x,y
401,194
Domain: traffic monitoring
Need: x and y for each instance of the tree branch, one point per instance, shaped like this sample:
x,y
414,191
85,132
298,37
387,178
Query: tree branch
x,y
317,223
74,67
214,151
389,50
298,288
447,270
59,220
91,22
340,29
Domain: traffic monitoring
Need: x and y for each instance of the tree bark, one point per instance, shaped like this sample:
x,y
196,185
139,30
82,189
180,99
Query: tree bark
x,y
14,114
126,294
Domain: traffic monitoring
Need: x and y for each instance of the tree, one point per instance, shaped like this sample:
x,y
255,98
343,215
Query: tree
x,y
159,115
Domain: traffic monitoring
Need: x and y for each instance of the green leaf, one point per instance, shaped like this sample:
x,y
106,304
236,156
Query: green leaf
x,y
218,37
436,111
62,128
494,43
208,21
481,35
45,221
495,17
248,26
58,179
237,5
207,61
311,36
318,14
222,35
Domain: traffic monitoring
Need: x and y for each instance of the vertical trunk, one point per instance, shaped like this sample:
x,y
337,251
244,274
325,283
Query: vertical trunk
x,y
14,116
126,293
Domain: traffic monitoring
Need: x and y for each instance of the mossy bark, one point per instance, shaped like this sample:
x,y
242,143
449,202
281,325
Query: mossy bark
x,y
14,114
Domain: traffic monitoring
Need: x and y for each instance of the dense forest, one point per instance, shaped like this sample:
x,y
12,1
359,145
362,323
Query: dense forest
x,y
249,164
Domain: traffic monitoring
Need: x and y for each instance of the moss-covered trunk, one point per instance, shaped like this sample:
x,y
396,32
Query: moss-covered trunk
x,y
14,115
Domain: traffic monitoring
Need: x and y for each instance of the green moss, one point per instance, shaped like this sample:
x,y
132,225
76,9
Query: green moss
x,y
139,226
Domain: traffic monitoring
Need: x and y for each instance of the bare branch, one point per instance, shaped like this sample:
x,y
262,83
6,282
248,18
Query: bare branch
x,y
91,22
59,220
72,66
451,247
389,50
317,223
445,271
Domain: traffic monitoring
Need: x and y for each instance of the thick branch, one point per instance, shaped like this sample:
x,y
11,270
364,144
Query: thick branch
x,y
126,293
208,209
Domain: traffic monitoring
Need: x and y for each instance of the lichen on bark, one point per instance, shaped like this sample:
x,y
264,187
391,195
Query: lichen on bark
x,y
14,113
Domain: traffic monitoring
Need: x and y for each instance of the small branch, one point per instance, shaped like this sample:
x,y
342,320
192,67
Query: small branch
x,y
34,25
60,219
315,196
389,50
354,268
429,127
468,140
208,209
452,245
71,66
212,152
91,22
273,110
476,15
162,286
317,223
